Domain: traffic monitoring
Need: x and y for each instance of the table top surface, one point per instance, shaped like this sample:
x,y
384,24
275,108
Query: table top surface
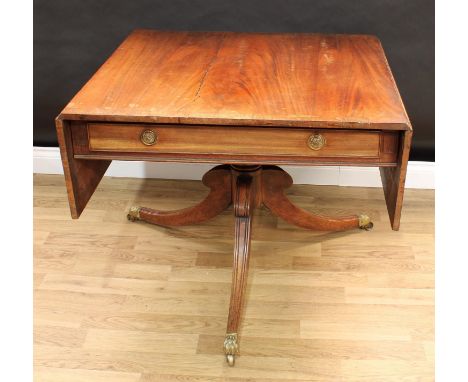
x,y
244,79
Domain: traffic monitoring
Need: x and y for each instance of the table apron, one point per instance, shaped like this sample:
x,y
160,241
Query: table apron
x,y
234,144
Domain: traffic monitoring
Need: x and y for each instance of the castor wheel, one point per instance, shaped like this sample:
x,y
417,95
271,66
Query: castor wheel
x,y
368,226
230,358
231,348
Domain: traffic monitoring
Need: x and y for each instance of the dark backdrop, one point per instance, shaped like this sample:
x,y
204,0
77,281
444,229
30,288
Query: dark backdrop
x,y
72,38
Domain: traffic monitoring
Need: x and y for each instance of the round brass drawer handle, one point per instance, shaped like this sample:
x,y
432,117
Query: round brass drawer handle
x,y
148,137
316,141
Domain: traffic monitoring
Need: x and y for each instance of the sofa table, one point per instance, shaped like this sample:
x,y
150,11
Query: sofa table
x,y
247,102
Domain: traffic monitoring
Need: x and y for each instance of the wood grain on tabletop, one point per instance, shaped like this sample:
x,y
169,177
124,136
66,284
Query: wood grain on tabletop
x,y
226,78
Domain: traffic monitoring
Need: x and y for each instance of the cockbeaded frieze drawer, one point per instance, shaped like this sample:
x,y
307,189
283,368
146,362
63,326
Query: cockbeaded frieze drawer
x,y
235,144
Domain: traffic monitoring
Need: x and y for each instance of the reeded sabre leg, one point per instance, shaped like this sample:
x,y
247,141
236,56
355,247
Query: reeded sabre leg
x,y
218,180
244,204
275,180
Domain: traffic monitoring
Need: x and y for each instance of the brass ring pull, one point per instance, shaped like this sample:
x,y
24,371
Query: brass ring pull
x,y
148,137
316,141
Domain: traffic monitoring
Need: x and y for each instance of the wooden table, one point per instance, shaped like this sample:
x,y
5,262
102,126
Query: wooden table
x,y
250,102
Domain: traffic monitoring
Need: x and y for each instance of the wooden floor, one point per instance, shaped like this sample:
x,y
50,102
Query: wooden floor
x,y
122,302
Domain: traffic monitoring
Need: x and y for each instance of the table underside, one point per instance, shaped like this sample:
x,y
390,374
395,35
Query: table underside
x,y
87,149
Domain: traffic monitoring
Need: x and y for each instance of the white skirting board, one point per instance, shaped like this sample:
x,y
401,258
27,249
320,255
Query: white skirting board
x,y
420,174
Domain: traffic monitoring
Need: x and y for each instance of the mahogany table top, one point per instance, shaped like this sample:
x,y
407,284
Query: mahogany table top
x,y
244,79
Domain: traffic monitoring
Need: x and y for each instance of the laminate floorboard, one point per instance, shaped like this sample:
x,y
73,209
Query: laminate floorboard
x,y
132,302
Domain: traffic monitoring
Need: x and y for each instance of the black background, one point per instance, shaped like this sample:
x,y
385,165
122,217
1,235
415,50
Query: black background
x,y
72,38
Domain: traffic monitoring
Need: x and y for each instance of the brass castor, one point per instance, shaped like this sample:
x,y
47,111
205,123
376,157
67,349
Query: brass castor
x,y
365,222
368,226
134,214
231,347
231,359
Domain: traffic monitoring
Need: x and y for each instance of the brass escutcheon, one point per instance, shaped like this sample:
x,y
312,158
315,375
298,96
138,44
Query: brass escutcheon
x,y
148,137
316,141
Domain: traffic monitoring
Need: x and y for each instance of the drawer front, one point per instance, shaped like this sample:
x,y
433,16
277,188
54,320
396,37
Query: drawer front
x,y
324,143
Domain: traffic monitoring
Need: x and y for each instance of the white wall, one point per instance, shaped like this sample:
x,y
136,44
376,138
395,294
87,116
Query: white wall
x,y
420,174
